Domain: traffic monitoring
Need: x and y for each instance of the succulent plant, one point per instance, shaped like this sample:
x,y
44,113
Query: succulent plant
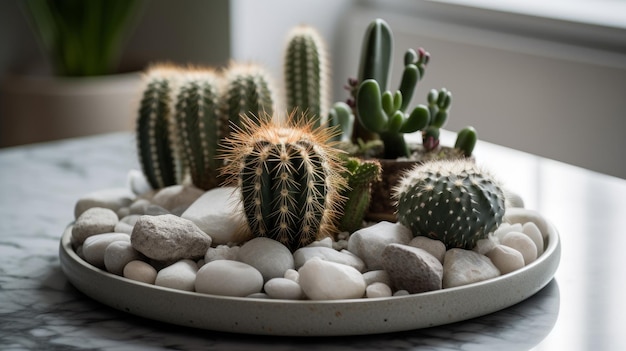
x,y
306,74
466,140
248,91
360,174
154,143
289,178
198,125
455,202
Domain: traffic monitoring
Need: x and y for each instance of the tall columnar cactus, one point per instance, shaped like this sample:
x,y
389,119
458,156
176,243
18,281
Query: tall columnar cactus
x,y
248,91
153,138
455,202
306,74
289,179
199,126
360,174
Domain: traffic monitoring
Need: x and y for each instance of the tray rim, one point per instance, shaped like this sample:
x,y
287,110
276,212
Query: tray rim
x,y
325,318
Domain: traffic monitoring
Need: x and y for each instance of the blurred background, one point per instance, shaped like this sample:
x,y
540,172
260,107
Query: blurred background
x,y
547,78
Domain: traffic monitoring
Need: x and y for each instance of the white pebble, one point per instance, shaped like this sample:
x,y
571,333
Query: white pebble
x,y
401,293
506,258
522,243
268,256
433,247
118,254
282,288
122,227
484,246
259,295
506,228
228,278
325,280
534,234
326,242
95,246
377,276
377,290
292,274
140,271
221,252
180,275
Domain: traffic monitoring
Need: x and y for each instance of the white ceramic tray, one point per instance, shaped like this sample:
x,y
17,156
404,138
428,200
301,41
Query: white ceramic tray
x,y
317,318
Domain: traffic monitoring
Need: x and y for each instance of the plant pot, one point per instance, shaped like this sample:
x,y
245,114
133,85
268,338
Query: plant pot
x,y
382,205
36,108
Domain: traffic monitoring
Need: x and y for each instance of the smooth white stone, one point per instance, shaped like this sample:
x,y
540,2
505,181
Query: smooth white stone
x,y
377,276
176,196
122,212
282,288
118,254
433,247
137,182
228,278
96,220
139,206
221,252
259,295
484,246
169,238
325,280
131,219
506,228
462,267
122,227
268,256
533,232
292,274
113,199
522,243
368,243
326,242
378,290
340,245
156,210
513,199
506,259
95,246
401,293
140,271
412,269
344,257
219,213
180,275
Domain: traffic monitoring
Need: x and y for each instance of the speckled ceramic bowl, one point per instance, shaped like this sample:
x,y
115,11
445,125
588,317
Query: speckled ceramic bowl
x,y
317,318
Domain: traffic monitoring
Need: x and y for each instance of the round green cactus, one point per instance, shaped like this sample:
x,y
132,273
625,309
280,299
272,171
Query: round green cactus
x,y
289,178
454,202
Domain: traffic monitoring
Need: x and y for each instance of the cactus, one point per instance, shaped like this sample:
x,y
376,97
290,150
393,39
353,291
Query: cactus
x,y
199,126
340,116
466,140
248,91
455,202
360,175
438,106
289,178
153,139
306,74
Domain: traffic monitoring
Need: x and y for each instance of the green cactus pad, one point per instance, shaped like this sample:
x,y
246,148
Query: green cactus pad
x,y
452,201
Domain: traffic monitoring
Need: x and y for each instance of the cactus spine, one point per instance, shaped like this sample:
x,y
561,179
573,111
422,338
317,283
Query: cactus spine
x,y
452,201
305,73
153,139
360,175
289,179
248,91
199,126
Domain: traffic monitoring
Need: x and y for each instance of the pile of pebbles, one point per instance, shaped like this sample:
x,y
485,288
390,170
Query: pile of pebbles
x,y
184,238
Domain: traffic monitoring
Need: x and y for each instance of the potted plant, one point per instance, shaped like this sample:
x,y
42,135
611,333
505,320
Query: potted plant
x,y
83,92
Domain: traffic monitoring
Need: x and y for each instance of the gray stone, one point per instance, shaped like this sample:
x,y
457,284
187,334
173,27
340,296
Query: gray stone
x,y
222,252
219,213
462,267
169,238
268,256
113,199
412,269
118,254
176,196
433,247
140,271
345,257
180,275
96,220
368,243
95,246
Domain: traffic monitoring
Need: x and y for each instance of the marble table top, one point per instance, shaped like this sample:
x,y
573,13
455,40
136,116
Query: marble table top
x,y
581,309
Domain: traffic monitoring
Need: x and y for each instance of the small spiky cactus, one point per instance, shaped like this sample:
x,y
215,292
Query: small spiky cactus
x,y
248,91
455,202
360,174
289,179
154,144
305,73
199,126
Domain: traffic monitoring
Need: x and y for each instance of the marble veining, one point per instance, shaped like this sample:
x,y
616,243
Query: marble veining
x,y
41,310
